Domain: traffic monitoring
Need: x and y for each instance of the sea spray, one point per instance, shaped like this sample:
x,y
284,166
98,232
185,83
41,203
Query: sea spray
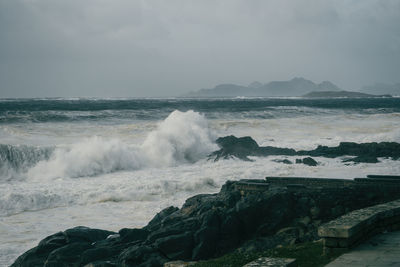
x,y
183,137
89,157
17,159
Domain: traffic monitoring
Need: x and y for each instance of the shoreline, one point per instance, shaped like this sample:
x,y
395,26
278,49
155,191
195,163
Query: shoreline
x,y
238,218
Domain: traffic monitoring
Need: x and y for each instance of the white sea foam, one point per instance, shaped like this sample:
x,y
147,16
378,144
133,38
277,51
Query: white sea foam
x,y
182,137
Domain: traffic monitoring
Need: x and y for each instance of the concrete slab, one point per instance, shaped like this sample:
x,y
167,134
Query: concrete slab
x,y
381,250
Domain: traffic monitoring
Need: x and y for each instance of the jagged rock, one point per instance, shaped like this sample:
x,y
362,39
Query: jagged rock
x,y
132,235
238,147
157,220
243,147
62,248
68,255
141,256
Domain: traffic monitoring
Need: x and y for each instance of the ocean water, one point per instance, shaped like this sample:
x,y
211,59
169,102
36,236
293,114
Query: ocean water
x,y
114,163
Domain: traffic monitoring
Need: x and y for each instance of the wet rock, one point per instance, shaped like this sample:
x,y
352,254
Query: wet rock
x,y
131,235
86,234
243,147
157,220
307,161
382,149
284,161
176,246
362,159
62,247
68,255
141,256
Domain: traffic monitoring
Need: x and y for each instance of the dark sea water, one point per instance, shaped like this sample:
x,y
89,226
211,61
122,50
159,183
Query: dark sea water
x,y
53,110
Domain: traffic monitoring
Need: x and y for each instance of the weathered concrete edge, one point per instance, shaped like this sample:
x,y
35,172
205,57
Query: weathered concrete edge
x,y
350,223
354,227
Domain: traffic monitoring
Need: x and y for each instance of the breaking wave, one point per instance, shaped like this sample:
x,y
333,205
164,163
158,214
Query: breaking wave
x,y
183,137
15,160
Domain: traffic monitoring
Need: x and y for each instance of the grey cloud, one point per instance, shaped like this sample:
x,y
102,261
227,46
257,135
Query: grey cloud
x,y
160,48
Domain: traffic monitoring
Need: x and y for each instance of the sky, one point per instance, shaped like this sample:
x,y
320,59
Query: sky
x,y
149,48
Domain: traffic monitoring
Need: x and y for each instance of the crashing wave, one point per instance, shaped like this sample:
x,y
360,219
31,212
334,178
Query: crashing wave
x,y
183,137
17,159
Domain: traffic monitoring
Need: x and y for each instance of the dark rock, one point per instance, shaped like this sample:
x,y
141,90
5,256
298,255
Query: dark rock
x,y
85,234
31,258
141,256
38,255
362,159
52,242
243,147
307,161
176,246
238,147
131,235
96,254
69,255
157,220
284,161
382,149
206,239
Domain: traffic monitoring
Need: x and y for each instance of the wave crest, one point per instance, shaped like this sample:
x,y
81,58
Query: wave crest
x,y
15,160
183,137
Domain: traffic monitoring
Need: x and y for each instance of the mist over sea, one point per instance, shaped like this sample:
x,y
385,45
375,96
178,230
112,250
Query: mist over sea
x,y
114,163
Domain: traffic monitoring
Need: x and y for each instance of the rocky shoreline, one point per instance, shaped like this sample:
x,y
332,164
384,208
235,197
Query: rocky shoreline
x,y
243,147
246,216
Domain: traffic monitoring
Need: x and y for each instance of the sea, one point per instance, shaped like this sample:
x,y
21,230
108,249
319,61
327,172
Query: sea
x,y
115,163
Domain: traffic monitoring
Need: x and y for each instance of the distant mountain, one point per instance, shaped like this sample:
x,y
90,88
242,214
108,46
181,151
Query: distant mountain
x,y
382,88
293,87
333,94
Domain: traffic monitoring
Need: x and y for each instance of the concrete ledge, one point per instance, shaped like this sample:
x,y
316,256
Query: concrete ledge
x,y
312,182
374,176
354,227
275,262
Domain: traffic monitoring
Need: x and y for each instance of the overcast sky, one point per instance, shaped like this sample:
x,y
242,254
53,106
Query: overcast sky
x,y
117,48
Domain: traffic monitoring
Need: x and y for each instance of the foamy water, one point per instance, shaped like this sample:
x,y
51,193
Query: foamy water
x,y
118,172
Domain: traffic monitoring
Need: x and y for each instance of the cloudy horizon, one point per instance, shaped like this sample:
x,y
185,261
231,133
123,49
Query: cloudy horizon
x,y
153,48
